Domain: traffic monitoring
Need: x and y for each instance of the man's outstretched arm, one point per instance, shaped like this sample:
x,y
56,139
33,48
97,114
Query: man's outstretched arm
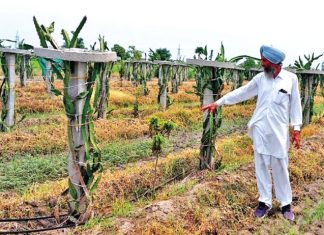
x,y
243,93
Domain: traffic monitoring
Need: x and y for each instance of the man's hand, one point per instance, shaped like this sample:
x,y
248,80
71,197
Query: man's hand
x,y
210,107
296,139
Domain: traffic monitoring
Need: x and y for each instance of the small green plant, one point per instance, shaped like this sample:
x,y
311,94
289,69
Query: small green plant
x,y
158,129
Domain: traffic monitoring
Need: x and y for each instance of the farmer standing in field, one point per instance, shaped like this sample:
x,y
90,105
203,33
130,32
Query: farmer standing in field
x,y
278,101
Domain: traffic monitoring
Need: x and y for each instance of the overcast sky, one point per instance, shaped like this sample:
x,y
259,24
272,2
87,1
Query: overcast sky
x,y
295,27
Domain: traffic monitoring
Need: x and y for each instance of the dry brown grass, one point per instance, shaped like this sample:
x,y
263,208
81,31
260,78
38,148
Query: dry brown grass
x,y
134,180
307,163
238,111
318,100
48,136
35,201
222,201
112,129
182,117
137,178
120,98
35,136
235,150
34,98
220,204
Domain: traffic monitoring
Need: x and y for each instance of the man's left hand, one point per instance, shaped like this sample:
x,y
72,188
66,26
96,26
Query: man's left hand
x,y
296,139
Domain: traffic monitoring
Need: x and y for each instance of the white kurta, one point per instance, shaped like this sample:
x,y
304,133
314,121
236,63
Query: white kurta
x,y
269,125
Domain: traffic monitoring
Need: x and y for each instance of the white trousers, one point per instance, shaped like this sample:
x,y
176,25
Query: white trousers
x,y
264,165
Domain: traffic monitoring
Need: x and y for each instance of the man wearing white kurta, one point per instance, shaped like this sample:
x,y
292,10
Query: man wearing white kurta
x,y
278,101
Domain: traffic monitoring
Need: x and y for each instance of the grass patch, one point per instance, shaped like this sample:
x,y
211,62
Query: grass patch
x,y
126,151
236,151
176,189
121,207
99,222
44,115
228,125
314,214
318,110
24,171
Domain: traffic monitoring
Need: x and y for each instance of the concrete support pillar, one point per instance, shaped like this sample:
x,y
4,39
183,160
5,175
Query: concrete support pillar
x,y
10,104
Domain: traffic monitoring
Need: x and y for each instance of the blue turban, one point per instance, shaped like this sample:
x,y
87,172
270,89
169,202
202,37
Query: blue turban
x,y
274,55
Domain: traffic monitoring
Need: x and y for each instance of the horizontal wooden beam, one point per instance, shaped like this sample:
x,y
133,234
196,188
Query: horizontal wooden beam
x,y
15,51
213,64
311,71
76,54
163,62
255,70
318,72
139,61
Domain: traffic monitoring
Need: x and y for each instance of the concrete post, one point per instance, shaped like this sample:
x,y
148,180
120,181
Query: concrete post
x,y
48,78
235,80
10,105
308,79
207,147
143,78
23,72
175,78
186,73
76,86
163,92
79,123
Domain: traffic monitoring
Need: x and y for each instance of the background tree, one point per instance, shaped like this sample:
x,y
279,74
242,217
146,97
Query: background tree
x,y
121,52
159,54
199,51
134,53
248,64
203,51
